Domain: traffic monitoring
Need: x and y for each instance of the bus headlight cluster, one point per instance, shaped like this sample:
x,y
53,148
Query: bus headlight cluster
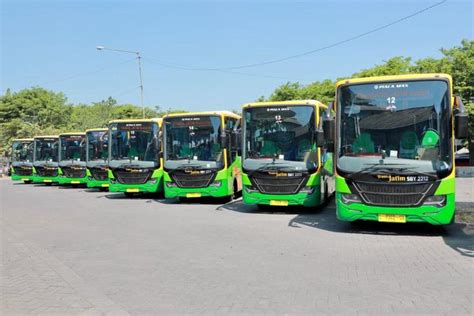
x,y
350,198
308,190
216,184
250,189
436,200
171,184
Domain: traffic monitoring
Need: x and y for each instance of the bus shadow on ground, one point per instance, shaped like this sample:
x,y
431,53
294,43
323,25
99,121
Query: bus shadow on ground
x,y
459,235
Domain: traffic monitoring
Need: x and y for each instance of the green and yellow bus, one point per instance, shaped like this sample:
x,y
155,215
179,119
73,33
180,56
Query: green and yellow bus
x,y
135,163
21,161
97,153
284,158
72,158
45,159
201,157
394,148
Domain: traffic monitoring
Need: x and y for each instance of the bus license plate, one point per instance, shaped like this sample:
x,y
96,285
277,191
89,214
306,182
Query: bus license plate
x,y
133,190
105,185
279,203
392,218
47,181
75,182
193,195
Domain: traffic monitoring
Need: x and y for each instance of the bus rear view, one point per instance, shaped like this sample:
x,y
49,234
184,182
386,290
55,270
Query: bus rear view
x,y
22,160
394,148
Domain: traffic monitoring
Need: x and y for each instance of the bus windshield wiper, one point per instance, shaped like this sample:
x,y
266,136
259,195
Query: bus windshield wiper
x,y
267,167
383,168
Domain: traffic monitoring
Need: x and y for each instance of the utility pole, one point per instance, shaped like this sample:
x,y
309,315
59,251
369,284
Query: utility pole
x,y
139,70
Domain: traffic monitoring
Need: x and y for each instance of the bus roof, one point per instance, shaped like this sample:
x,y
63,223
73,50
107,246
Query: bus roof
x,y
394,78
279,103
225,113
96,130
47,136
72,133
22,140
155,119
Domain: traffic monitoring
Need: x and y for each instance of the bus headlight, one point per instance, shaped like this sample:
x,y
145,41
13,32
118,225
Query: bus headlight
x,y
216,184
250,189
350,198
308,190
171,184
435,200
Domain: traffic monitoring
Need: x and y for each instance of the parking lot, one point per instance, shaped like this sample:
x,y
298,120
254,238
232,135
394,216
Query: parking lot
x,y
67,250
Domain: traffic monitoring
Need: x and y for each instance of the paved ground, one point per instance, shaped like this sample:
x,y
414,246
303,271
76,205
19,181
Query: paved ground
x,y
69,251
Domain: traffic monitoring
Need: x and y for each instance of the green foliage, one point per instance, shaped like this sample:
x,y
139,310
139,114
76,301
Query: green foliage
x,y
37,111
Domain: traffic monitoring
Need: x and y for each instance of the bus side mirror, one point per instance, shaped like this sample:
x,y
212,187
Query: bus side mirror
x,y
329,128
461,125
461,120
223,140
235,139
319,136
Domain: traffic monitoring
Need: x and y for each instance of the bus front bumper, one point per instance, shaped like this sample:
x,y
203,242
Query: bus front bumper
x,y
39,179
174,191
430,214
93,183
66,180
302,198
25,179
151,186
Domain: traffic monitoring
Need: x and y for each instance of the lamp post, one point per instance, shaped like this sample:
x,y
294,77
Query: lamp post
x,y
139,69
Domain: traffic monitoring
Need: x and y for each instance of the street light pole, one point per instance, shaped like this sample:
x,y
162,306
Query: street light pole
x,y
139,70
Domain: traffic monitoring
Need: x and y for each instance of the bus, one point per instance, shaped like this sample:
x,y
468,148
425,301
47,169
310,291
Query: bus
x,y
97,153
201,158
394,148
72,158
135,163
45,159
21,166
285,162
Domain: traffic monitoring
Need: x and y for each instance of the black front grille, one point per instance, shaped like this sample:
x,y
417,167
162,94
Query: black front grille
x,y
190,180
23,171
132,177
393,188
387,194
278,185
46,172
99,174
70,172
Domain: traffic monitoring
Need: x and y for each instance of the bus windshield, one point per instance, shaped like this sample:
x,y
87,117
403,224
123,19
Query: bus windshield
x,y
22,151
73,148
193,140
98,145
46,149
282,135
134,143
403,125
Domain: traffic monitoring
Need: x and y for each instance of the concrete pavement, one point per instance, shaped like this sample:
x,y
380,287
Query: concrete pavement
x,y
79,251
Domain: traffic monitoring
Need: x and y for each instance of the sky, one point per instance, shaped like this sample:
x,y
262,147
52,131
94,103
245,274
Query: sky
x,y
52,44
